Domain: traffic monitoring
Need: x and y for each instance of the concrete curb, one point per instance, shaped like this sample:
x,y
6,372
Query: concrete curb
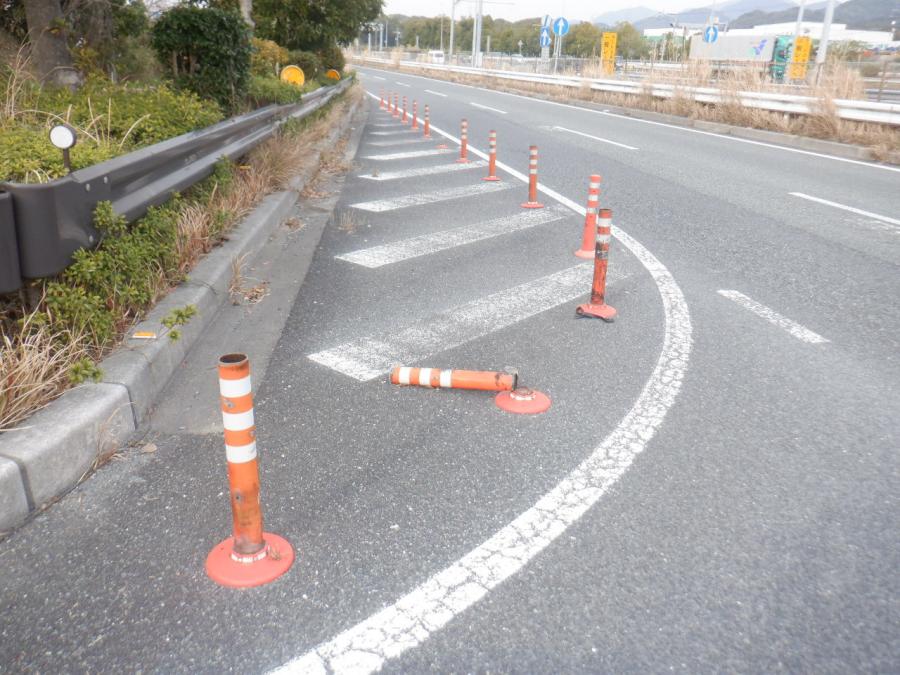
x,y
59,444
843,150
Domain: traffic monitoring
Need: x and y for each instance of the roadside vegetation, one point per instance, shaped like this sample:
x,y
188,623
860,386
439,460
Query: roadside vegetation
x,y
124,81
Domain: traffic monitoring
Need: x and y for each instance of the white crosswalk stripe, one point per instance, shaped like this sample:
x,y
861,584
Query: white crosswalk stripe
x,y
405,201
369,357
426,244
408,155
401,132
424,171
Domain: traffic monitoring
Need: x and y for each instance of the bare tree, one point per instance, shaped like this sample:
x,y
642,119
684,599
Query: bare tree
x,y
50,53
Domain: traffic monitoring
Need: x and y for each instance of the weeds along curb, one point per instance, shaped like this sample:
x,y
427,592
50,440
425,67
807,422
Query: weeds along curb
x,y
836,148
57,446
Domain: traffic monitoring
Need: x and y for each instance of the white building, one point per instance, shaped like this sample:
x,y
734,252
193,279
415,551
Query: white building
x,y
839,32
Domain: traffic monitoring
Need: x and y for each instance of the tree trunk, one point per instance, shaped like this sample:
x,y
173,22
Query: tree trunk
x,y
50,53
247,10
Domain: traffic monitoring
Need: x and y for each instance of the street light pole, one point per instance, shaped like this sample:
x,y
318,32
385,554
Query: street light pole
x,y
826,31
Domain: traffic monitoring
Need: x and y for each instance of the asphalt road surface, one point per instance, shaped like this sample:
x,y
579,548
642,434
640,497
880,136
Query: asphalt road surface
x,y
713,489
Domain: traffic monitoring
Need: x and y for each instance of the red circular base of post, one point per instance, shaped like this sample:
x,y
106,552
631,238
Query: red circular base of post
x,y
532,205
523,401
462,160
604,312
224,570
583,253
491,178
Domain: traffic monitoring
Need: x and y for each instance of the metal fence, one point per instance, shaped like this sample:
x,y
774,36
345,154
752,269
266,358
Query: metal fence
x,y
42,225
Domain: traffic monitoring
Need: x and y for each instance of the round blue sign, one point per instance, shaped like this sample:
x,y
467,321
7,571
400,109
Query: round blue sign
x,y
560,26
711,34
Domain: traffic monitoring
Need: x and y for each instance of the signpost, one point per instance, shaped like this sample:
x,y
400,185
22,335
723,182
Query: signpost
x,y
802,49
560,27
711,34
608,52
545,37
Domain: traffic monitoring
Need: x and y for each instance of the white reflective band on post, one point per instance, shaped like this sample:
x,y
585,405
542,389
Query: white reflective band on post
x,y
241,453
595,186
403,376
238,421
603,238
446,378
424,377
533,172
234,388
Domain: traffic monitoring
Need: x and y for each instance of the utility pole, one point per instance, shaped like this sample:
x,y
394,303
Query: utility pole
x,y
442,32
396,38
476,35
823,42
452,26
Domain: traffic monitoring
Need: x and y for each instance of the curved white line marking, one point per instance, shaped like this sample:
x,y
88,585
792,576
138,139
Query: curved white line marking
x,y
407,623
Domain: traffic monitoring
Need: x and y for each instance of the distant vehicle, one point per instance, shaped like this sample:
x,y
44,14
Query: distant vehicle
x,y
436,56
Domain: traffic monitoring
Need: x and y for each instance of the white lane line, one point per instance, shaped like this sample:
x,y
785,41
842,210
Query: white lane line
x,y
723,137
407,155
426,244
436,93
403,84
868,214
378,77
773,317
487,107
406,624
596,138
421,198
399,132
426,171
402,141
369,357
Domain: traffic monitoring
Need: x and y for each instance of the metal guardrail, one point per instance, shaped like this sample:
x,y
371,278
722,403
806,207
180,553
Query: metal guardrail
x,y
849,109
43,224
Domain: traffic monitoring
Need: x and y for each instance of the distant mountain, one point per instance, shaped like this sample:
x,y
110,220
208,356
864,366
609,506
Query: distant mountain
x,y
725,12
858,14
630,15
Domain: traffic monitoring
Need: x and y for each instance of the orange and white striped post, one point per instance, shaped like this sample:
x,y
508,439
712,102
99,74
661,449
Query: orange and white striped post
x,y
590,219
415,115
404,120
250,557
463,142
426,128
492,156
437,378
532,202
396,112
597,307
381,103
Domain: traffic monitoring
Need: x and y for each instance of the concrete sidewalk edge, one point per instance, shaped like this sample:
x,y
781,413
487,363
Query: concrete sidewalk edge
x,y
57,446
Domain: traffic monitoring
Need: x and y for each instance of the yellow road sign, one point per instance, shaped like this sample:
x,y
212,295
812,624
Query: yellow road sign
x,y
608,52
293,75
332,74
797,70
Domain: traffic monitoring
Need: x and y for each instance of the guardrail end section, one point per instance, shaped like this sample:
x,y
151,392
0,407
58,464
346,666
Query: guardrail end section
x,y
10,272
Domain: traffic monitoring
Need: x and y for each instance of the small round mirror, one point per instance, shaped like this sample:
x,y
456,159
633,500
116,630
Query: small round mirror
x,y
62,136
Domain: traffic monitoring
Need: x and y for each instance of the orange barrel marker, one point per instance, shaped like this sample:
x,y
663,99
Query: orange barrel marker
x,y
415,115
492,156
403,120
251,557
464,142
426,129
436,378
590,219
597,307
532,202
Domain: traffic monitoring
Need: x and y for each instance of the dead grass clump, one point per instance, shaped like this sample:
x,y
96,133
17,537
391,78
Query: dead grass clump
x,y
348,222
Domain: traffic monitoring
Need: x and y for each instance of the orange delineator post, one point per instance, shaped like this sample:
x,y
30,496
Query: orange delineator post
x,y
403,120
426,128
590,219
597,307
492,156
463,142
250,557
381,103
415,115
437,378
532,202
396,105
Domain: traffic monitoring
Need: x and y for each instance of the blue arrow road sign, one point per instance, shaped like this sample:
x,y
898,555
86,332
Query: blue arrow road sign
x,y
711,34
560,26
545,36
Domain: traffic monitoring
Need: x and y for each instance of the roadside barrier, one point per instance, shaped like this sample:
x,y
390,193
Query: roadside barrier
x,y
590,219
415,115
396,105
426,130
523,401
597,307
404,120
250,557
532,202
492,156
437,378
464,142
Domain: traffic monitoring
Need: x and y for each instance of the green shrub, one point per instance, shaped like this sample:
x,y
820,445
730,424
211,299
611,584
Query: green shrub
x,y
309,63
332,57
206,50
268,57
266,90
27,156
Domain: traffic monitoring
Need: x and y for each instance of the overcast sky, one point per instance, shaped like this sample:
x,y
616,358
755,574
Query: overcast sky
x,y
573,10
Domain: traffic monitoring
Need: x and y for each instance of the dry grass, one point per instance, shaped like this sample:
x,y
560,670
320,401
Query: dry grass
x,y
34,368
837,82
236,284
348,223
